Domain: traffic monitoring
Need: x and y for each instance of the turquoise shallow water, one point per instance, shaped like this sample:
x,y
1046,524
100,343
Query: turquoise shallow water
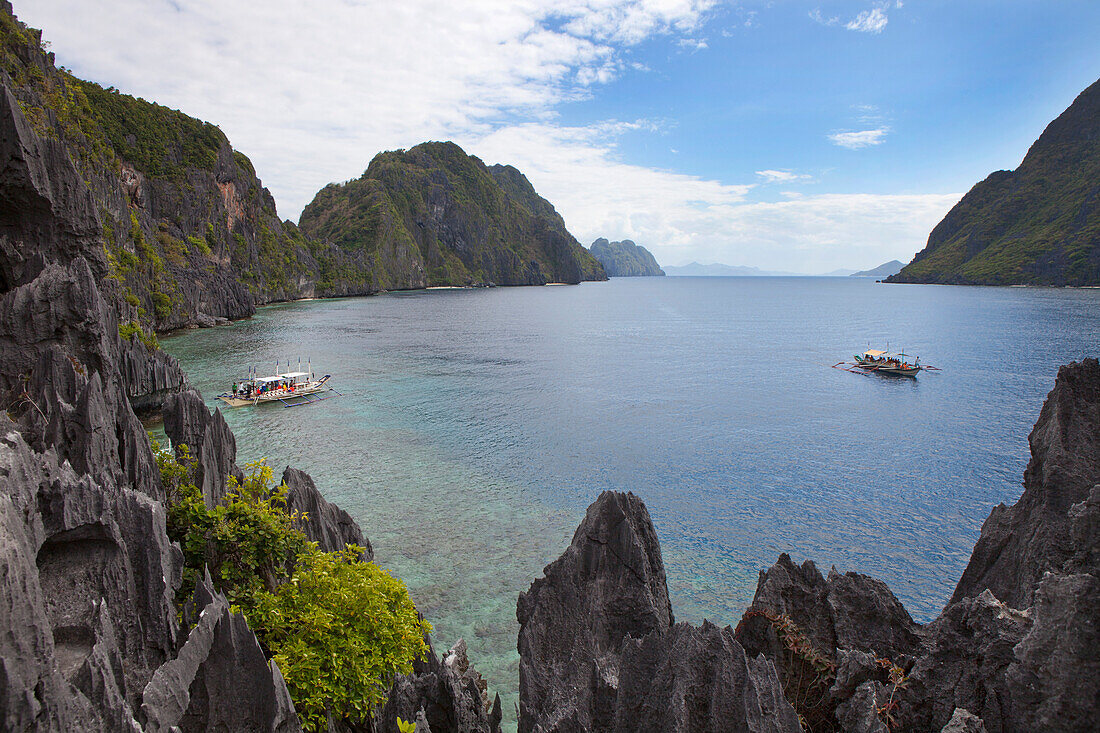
x,y
475,426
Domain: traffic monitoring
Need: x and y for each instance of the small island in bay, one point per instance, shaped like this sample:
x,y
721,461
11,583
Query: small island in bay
x,y
435,216
886,269
625,259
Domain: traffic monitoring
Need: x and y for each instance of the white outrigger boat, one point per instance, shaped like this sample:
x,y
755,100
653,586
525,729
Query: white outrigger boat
x,y
292,389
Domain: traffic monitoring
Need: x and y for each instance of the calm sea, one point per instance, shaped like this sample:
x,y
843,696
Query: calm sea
x,y
475,426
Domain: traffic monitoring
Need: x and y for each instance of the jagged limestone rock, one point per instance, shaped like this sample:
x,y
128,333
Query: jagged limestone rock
x,y
209,440
963,721
1020,543
220,679
599,651
446,694
849,611
325,523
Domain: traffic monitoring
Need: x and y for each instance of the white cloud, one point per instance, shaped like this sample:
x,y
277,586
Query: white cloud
x,y
682,218
782,176
693,44
860,138
869,21
312,91
873,20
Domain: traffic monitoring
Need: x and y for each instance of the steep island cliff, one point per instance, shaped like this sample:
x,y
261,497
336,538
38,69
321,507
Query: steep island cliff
x,y
433,215
1036,225
625,259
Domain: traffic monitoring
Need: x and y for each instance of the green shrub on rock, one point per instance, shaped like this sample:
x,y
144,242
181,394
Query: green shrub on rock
x,y
339,628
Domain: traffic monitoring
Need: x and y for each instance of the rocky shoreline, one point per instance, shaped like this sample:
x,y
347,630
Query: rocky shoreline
x,y
1016,649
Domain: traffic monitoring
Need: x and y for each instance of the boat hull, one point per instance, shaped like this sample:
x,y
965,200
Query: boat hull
x,y
279,395
899,371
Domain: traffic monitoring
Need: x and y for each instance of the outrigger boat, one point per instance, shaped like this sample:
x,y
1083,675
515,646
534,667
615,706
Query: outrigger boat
x,y
883,362
292,389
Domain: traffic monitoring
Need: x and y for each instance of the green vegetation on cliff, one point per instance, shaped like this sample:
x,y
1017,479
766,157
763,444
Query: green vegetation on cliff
x,y
340,629
625,259
188,230
433,215
1037,225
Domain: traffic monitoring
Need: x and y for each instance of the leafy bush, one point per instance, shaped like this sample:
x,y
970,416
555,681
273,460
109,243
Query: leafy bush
x,y
126,331
201,246
339,628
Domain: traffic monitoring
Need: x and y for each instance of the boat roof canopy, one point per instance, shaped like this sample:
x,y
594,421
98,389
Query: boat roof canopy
x,y
265,380
874,352
294,375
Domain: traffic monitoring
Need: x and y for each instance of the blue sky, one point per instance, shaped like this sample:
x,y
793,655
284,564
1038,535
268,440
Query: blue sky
x,y
801,136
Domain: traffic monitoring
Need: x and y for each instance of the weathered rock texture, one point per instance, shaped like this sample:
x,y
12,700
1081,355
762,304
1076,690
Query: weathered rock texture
x,y
209,443
849,611
1020,543
599,649
1038,224
220,679
433,215
625,259
447,694
326,524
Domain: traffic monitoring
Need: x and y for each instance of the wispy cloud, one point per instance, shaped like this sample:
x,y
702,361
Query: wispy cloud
x,y
872,20
854,140
869,21
818,17
782,176
693,44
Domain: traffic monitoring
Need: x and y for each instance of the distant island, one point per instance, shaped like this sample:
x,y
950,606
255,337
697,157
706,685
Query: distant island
x,y
625,259
886,269
696,269
717,269
1037,225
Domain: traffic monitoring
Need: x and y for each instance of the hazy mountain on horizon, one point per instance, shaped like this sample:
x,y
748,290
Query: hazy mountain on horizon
x,y
886,269
717,269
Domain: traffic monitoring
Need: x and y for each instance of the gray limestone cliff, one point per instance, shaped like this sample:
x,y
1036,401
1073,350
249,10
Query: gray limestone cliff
x,y
625,259
599,649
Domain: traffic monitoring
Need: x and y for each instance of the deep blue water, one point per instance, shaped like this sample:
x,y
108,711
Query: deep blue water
x,y
475,426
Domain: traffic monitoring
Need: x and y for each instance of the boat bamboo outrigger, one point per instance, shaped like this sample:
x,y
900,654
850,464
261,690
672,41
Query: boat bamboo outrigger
x,y
884,362
292,389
